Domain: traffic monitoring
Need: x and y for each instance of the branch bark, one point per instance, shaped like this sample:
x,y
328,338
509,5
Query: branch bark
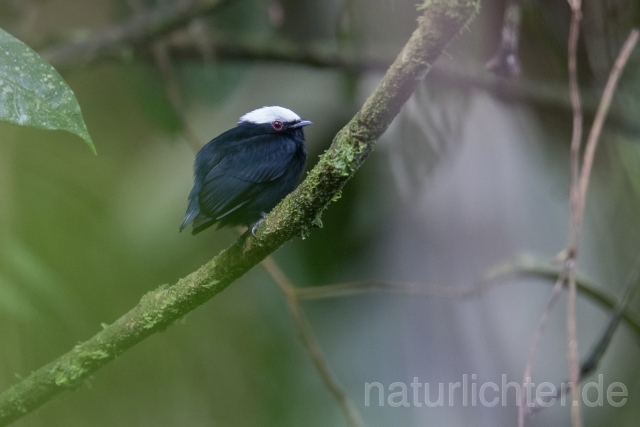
x,y
441,20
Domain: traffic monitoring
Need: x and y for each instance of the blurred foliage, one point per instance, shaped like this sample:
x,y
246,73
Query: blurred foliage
x,y
462,180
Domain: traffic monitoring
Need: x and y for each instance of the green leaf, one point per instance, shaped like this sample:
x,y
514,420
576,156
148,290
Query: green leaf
x,y
32,93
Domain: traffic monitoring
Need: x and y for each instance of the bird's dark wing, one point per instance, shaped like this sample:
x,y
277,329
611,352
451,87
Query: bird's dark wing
x,y
235,179
261,159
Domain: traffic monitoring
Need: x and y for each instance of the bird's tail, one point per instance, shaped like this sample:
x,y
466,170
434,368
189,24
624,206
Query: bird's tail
x,y
192,211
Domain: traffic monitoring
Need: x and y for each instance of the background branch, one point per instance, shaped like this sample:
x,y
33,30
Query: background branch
x,y
524,266
591,362
578,199
306,335
441,20
135,38
181,46
535,341
575,227
580,174
140,28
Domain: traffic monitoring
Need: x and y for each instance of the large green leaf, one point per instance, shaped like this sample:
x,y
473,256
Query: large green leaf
x,y
32,93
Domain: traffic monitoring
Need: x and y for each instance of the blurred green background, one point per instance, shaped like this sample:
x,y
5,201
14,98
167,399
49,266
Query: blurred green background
x,y
472,172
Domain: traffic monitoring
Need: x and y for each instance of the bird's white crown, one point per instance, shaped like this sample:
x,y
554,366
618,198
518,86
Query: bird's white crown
x,y
269,114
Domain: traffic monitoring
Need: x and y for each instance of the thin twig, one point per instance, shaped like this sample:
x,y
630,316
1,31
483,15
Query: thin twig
x,y
572,340
630,288
591,362
579,183
601,115
338,290
313,348
542,324
574,94
287,287
521,267
579,196
574,161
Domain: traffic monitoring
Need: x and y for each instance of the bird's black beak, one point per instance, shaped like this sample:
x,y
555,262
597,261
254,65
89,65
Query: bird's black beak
x,y
301,123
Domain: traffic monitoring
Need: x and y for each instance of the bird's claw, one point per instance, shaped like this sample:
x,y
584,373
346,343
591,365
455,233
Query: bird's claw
x,y
257,224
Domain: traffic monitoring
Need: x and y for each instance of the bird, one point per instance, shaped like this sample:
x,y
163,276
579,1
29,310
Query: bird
x,y
243,173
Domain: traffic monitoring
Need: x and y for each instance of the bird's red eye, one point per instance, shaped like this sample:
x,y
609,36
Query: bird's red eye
x,y
277,125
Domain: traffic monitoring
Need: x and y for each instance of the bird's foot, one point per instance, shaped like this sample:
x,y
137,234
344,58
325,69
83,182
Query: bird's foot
x,y
257,224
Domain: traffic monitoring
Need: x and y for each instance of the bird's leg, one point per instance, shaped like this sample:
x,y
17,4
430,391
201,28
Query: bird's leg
x,y
257,224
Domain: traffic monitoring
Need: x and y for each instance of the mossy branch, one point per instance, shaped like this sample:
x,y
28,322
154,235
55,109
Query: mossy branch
x,y
441,20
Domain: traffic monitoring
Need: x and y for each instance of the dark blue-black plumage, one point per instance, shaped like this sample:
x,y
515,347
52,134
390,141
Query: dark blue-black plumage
x,y
243,173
